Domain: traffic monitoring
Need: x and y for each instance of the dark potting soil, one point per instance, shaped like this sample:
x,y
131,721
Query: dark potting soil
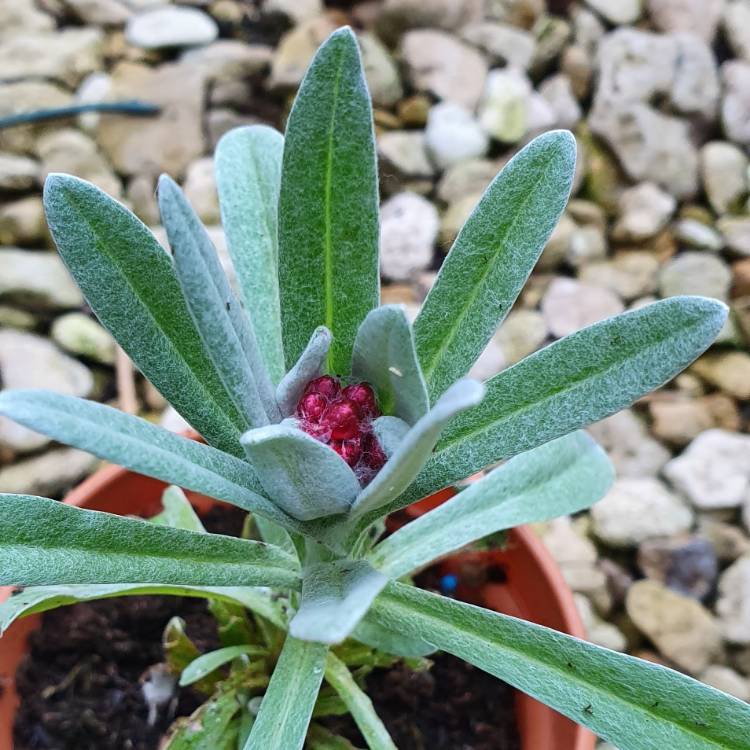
x,y
80,685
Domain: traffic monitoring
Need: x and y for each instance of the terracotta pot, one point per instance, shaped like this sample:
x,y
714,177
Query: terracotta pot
x,y
534,590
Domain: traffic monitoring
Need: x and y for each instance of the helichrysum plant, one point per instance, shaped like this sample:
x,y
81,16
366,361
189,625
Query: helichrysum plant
x,y
323,412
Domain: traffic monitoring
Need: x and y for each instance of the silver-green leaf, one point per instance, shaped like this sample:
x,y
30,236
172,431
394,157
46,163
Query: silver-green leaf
x,y
309,366
328,208
213,660
492,258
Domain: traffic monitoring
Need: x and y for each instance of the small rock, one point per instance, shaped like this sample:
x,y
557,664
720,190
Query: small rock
x,y
504,111
23,16
50,474
696,234
229,60
453,135
714,472
735,106
733,604
695,89
724,175
727,680
95,87
633,452
558,92
699,17
587,245
635,510
22,222
171,26
398,15
406,152
680,420
37,280
64,55
30,361
296,11
737,27
569,305
599,631
381,71
681,628
630,274
465,178
168,142
736,232
552,34
558,245
729,371
503,43
645,210
520,334
99,12
440,63
408,229
617,12
10,317
296,49
695,273
18,173
455,217
685,564
79,334
728,541
200,190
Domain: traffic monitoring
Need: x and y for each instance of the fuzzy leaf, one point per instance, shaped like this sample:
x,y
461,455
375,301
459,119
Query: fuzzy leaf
x,y
320,738
284,713
390,432
130,283
272,533
304,477
328,207
561,477
384,356
634,704
416,448
492,258
141,447
335,596
213,660
212,726
390,641
178,513
222,324
309,366
570,384
44,542
248,178
36,599
359,705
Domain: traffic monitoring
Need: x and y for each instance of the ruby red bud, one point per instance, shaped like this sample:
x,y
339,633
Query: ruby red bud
x,y
325,385
364,397
373,456
349,450
343,419
312,406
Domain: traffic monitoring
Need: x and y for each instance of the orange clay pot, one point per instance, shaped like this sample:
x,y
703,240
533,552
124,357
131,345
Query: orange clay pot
x,y
534,589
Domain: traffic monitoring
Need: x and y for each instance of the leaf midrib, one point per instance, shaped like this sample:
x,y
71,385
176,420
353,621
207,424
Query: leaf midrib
x,y
478,287
610,696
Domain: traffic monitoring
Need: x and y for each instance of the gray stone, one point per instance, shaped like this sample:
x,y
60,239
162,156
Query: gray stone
x,y
296,49
503,43
446,67
599,631
733,604
617,12
695,273
682,629
695,88
95,87
36,280
569,305
735,106
30,361
10,317
168,142
65,55
200,190
728,370
635,510
18,173
679,420
694,233
685,564
22,222
50,474
453,135
520,334
632,450
700,17
714,471
557,91
381,72
408,229
229,60
171,26
737,27
630,274
727,680
558,246
99,12
504,110
645,210
81,335
588,244
552,34
736,233
296,11
23,16
466,178
396,16
406,152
